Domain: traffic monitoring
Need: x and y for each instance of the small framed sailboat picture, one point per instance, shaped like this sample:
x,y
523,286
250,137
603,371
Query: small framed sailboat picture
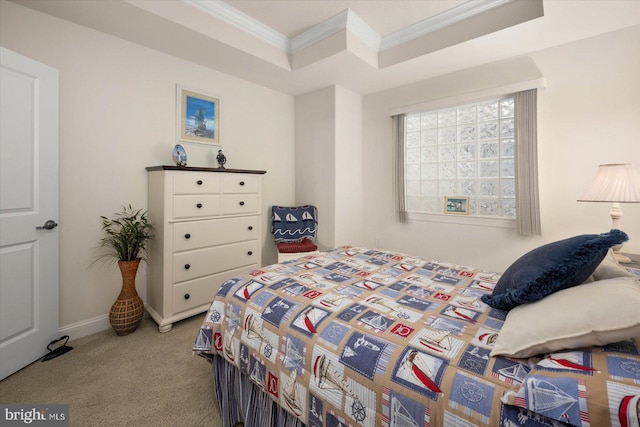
x,y
456,205
198,117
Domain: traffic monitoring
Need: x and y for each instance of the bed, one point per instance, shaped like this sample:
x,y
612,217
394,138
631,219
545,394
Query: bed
x,y
368,337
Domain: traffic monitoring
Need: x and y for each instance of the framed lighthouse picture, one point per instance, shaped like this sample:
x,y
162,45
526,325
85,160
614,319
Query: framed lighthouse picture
x,y
198,117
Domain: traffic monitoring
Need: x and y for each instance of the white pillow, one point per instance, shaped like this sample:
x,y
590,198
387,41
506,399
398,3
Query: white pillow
x,y
609,268
596,313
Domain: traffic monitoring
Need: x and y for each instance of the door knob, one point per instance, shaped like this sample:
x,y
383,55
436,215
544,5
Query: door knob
x,y
48,225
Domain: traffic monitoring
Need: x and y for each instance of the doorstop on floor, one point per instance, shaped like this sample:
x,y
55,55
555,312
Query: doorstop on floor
x,y
58,351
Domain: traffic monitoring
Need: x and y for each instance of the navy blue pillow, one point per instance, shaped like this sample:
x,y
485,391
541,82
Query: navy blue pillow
x,y
551,268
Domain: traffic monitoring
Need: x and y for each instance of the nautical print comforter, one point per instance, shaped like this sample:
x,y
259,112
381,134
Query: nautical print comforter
x,y
367,337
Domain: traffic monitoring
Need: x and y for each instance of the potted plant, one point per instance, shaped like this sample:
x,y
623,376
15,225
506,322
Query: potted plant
x,y
125,239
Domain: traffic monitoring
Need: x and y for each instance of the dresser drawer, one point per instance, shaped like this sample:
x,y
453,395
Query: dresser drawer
x,y
195,206
238,204
238,183
196,183
200,234
202,291
203,262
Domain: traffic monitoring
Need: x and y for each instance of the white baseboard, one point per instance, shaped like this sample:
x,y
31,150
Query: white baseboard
x,y
86,327
90,326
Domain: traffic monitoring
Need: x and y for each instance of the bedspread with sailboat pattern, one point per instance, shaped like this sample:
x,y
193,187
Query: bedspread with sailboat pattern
x,y
357,336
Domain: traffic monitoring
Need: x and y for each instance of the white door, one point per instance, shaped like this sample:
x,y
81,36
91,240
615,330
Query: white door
x,y
28,199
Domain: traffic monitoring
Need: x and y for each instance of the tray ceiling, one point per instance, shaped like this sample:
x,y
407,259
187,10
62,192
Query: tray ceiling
x,y
296,46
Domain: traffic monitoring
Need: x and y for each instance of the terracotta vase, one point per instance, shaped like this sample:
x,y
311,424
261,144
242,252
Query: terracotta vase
x,y
127,311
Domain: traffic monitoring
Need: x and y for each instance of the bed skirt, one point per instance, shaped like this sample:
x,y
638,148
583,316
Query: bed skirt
x,y
242,401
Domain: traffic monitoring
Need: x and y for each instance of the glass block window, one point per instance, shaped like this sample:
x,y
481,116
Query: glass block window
x,y
465,151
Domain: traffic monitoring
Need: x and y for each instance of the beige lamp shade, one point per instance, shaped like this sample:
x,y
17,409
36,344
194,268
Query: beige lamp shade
x,y
616,183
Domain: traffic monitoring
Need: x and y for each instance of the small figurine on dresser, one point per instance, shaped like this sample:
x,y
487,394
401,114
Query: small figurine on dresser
x,y
222,159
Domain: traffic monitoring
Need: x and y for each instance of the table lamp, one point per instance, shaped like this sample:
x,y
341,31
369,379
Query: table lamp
x,y
615,183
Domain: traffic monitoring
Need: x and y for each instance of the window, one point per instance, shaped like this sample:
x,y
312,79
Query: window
x,y
463,151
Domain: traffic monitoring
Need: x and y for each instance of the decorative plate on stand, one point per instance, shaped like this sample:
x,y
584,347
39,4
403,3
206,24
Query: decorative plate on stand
x,y
179,155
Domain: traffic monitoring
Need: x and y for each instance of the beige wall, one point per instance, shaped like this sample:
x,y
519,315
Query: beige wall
x,y
349,144
588,115
329,158
314,169
117,116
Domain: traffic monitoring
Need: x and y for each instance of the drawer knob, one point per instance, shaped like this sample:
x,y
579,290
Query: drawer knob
x,y
187,236
241,182
199,182
250,227
187,266
241,203
199,205
187,296
250,253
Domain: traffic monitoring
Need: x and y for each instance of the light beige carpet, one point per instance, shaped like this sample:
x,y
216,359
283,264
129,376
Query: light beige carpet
x,y
142,379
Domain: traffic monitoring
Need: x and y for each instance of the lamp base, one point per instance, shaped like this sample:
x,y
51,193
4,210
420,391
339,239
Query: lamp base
x,y
616,215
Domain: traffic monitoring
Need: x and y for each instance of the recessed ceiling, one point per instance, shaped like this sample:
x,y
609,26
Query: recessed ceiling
x,y
297,46
384,17
473,19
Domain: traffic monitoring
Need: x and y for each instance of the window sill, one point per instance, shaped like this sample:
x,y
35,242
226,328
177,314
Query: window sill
x,y
463,219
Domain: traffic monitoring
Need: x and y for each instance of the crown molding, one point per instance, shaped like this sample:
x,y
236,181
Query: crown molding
x,y
345,20
233,16
437,22
320,31
362,30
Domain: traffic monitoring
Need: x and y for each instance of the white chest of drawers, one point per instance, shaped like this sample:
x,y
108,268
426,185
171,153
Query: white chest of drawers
x,y
207,229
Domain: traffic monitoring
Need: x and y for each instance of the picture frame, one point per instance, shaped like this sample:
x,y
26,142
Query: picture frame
x,y
456,205
198,116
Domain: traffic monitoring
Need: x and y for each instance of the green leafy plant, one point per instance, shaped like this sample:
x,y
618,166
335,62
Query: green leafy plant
x,y
127,234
